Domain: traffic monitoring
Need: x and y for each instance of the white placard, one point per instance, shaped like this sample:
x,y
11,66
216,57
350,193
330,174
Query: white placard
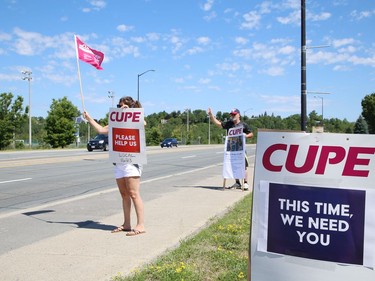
x,y
234,154
313,207
126,137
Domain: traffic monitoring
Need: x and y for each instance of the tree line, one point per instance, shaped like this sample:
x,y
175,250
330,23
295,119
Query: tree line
x,y
63,126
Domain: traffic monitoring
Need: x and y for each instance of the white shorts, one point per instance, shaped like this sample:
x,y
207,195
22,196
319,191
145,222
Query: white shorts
x,y
127,170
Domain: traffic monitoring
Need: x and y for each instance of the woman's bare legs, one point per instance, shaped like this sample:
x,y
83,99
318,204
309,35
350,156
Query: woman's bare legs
x,y
126,202
129,190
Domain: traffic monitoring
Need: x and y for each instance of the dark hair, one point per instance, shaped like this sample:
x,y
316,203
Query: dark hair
x,y
130,102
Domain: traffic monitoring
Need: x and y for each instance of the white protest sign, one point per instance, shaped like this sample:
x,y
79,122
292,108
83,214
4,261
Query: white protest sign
x,y
126,137
313,207
234,154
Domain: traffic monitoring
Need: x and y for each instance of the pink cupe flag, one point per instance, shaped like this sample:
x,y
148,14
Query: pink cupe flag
x,y
86,54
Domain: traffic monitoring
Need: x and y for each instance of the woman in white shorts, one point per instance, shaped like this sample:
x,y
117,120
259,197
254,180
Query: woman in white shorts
x,y
128,177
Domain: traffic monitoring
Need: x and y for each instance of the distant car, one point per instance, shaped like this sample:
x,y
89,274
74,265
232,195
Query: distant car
x,y
99,142
169,142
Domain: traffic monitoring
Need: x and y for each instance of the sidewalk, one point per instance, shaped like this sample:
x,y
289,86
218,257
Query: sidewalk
x,y
93,254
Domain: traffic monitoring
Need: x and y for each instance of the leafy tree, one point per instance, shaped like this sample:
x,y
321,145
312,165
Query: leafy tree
x,y
335,125
360,126
368,111
153,136
314,119
293,122
60,121
11,118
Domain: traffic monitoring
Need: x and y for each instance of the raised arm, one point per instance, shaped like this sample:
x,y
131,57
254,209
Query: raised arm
x,y
213,118
99,128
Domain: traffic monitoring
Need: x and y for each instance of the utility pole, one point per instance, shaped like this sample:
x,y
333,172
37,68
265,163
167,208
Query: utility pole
x,y
28,77
303,66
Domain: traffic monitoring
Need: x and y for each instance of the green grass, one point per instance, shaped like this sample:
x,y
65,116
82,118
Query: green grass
x,y
218,252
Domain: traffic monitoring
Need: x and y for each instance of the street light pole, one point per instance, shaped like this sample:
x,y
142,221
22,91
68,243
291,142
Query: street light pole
x,y
187,119
111,95
187,124
322,108
28,77
209,130
244,113
139,75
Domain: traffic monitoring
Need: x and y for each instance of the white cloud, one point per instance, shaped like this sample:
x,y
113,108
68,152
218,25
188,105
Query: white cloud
x,y
293,18
244,53
215,88
176,42
98,4
138,39
9,77
359,15
274,56
273,71
342,42
370,61
208,5
326,57
318,17
204,81
292,4
341,67
29,43
203,40
252,20
241,40
348,49
123,27
121,47
210,16
282,41
153,36
194,50
265,7
229,66
286,50
5,36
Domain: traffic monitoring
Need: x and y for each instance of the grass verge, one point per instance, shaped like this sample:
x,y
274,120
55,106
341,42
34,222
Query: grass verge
x,y
218,252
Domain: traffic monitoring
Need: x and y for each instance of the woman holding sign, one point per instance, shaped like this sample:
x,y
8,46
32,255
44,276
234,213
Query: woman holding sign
x,y
127,177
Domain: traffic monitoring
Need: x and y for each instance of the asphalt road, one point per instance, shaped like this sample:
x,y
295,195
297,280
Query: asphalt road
x,y
40,188
28,179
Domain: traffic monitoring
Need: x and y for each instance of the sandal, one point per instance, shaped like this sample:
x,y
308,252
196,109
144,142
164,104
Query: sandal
x,y
120,229
135,232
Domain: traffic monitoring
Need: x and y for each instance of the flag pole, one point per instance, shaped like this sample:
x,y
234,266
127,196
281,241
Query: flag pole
x,y
79,74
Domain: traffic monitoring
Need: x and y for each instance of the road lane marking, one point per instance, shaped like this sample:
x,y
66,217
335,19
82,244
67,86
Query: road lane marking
x,y
25,179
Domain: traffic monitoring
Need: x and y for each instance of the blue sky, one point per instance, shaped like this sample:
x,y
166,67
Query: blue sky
x,y
206,53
